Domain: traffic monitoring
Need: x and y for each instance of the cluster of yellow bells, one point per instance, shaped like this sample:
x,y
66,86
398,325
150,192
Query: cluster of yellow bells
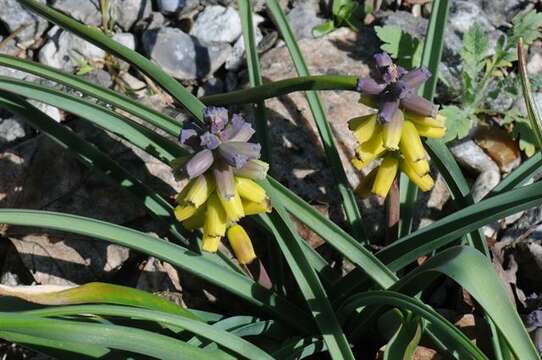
x,y
399,145
201,206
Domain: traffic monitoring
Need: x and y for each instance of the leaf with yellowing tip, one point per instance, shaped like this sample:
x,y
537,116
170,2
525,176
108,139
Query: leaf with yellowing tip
x,y
93,293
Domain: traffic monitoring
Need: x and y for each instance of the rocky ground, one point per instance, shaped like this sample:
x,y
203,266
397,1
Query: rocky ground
x,y
199,43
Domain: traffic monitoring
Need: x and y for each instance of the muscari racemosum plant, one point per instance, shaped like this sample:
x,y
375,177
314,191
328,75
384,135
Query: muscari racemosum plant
x,y
323,312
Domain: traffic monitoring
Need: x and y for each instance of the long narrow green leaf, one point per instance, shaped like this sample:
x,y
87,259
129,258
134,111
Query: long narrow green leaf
x,y
67,349
520,175
221,337
459,264
308,282
109,336
137,134
452,336
348,198
335,236
283,87
453,226
162,121
96,37
173,254
96,293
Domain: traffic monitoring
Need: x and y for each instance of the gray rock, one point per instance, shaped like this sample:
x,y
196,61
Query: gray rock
x,y
471,157
464,13
182,55
127,12
11,129
170,6
500,12
217,23
303,18
13,16
99,77
86,11
124,13
66,51
237,56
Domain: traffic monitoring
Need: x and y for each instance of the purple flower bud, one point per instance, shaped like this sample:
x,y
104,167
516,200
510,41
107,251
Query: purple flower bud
x,y
217,117
237,154
369,86
188,137
413,79
419,105
199,163
237,130
383,60
225,182
254,169
210,141
387,109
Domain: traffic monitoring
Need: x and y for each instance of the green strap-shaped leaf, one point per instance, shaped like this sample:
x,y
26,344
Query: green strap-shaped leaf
x,y
453,337
162,121
140,136
214,334
173,254
404,342
459,264
95,293
102,335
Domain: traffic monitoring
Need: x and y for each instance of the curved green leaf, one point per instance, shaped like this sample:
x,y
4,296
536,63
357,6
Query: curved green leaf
x,y
102,335
221,337
162,121
173,254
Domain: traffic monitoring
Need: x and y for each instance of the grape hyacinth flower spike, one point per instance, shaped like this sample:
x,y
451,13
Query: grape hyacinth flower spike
x,y
393,130
222,188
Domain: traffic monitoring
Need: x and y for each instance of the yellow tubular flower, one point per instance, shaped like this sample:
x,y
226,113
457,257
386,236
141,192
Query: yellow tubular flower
x,y
249,189
363,127
365,185
425,182
201,188
195,221
411,145
369,151
439,121
431,132
421,167
391,132
253,208
241,244
233,207
214,227
183,212
385,176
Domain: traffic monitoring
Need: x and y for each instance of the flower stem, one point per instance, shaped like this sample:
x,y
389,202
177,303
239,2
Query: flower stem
x,y
283,87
